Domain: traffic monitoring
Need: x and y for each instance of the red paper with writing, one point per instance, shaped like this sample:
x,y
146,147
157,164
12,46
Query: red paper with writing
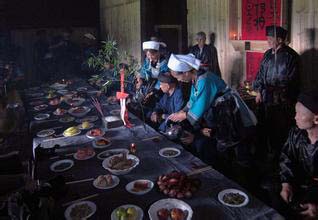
x,y
256,15
253,61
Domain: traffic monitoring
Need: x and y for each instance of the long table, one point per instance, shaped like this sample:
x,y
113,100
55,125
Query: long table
x,y
204,203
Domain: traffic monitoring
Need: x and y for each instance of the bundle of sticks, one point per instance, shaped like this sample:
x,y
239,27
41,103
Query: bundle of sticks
x,y
98,106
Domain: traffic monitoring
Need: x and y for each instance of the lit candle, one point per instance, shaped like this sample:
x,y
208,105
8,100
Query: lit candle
x,y
133,148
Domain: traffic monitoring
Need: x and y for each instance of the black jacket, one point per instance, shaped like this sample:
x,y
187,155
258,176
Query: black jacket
x,y
299,159
279,81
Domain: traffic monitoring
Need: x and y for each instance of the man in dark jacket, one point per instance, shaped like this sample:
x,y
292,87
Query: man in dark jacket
x,y
299,158
207,54
277,85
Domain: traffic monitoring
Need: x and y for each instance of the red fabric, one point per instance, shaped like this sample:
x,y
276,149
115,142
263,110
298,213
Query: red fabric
x,y
256,15
253,61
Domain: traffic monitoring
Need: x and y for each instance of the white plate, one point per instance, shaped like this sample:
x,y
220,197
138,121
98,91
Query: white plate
x,y
161,152
62,91
67,213
78,101
89,126
82,89
56,163
139,211
92,118
222,193
93,137
86,158
79,114
168,204
120,172
61,114
101,146
129,187
77,133
41,117
40,107
69,119
109,153
115,179
115,112
45,133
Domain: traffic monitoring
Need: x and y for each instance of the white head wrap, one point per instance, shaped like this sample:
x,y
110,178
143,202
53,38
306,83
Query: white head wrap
x,y
183,63
150,45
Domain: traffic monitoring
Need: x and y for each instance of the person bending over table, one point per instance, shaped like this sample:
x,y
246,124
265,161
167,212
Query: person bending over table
x,y
225,114
299,161
171,101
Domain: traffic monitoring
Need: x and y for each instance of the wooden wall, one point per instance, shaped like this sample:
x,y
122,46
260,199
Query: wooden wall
x,y
213,16
121,20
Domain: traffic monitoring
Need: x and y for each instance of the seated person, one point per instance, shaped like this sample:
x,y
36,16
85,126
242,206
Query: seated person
x,y
170,102
299,160
153,65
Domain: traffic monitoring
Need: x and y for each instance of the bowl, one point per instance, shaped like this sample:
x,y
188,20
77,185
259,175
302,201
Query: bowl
x,y
106,165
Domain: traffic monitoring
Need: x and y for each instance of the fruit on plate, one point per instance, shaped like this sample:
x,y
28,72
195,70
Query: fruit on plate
x,y
178,185
85,124
129,213
95,132
71,131
174,214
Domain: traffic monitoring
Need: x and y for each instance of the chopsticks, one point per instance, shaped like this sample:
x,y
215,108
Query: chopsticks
x,y
200,170
150,138
66,155
79,181
97,105
81,199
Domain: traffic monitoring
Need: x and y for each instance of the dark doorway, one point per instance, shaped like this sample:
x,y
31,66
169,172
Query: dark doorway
x,y
166,19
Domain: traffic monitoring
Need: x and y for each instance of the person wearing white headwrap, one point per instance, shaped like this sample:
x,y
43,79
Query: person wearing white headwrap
x,y
154,64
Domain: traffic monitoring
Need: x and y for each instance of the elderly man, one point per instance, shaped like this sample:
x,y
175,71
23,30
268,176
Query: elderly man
x,y
206,53
299,162
171,102
277,85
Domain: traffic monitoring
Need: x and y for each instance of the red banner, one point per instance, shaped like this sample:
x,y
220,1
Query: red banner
x,y
256,15
253,61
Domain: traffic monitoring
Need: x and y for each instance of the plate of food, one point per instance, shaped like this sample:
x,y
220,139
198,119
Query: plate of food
x,y
120,164
80,210
233,198
95,133
45,133
79,111
106,181
75,101
66,119
40,117
91,118
59,112
108,153
139,187
61,165
115,112
84,153
40,107
85,125
62,91
170,209
101,142
178,185
71,131
169,152
81,89
129,211
54,101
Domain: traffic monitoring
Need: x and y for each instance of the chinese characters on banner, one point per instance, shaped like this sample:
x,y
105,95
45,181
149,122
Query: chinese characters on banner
x,y
256,15
253,61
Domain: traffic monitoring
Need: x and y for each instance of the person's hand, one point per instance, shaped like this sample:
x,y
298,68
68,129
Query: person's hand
x,y
206,132
311,210
139,82
258,98
187,138
154,117
287,192
178,116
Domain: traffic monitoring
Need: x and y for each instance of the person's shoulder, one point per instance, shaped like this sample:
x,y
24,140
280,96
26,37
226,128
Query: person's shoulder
x,y
296,134
288,50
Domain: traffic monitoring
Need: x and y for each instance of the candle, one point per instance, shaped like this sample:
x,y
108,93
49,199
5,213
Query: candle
x,y
133,148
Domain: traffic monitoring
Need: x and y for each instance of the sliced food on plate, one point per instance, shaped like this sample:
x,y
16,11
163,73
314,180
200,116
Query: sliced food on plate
x,y
139,187
101,142
106,181
120,164
94,133
84,153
